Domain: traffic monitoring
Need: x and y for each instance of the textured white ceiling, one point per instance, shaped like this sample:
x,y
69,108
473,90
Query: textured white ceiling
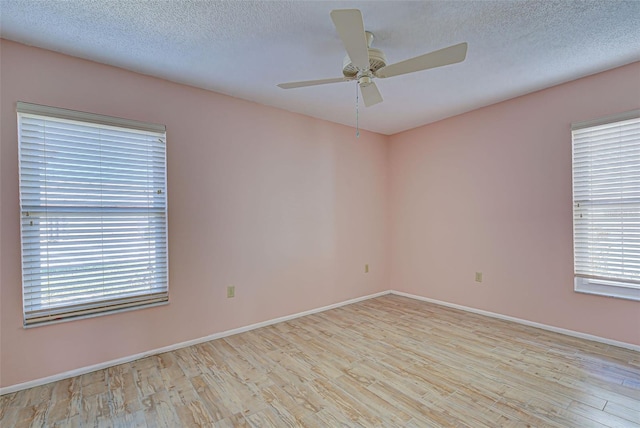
x,y
245,48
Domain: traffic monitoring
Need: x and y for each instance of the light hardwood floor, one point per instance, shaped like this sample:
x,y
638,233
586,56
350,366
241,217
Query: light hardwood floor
x,y
389,361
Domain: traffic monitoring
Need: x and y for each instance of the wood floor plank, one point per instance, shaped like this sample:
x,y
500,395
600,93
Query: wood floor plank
x,y
389,361
631,414
604,418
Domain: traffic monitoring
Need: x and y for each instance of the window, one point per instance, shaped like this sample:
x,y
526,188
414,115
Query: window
x,y
606,206
93,213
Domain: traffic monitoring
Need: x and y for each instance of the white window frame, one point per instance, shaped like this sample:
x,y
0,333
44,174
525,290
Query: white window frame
x,y
110,136
584,282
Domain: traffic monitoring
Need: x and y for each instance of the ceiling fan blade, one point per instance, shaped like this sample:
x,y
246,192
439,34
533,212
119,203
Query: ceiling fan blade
x,y
370,94
350,27
302,84
446,56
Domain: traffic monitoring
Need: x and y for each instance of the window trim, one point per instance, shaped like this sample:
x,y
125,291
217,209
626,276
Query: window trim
x,y
100,119
620,117
601,286
106,307
94,314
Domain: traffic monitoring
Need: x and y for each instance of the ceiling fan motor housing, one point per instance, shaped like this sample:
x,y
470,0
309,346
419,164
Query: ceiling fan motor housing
x,y
377,60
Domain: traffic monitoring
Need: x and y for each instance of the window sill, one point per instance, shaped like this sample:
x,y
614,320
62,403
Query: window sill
x,y
94,315
620,290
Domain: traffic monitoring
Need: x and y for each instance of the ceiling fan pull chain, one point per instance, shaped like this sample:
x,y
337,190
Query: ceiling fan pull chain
x,y
357,113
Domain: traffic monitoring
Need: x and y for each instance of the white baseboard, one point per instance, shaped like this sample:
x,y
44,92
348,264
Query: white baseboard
x,y
127,359
577,334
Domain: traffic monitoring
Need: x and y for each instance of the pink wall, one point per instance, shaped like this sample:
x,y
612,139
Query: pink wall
x,y
289,208
490,191
285,207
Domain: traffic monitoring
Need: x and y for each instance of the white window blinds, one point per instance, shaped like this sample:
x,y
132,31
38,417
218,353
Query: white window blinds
x,y
606,193
93,213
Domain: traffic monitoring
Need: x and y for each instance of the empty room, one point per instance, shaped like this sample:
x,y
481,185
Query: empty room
x,y
319,213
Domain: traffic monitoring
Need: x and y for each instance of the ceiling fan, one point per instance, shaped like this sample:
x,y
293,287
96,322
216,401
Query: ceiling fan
x,y
364,63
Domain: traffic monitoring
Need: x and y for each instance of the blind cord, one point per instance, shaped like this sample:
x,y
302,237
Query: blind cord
x,y
357,112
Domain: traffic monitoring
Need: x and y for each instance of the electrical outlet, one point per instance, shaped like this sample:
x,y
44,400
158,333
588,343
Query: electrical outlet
x,y
478,276
366,268
231,291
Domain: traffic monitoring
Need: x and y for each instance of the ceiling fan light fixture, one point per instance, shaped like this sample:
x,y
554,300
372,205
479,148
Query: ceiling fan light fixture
x,y
364,81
